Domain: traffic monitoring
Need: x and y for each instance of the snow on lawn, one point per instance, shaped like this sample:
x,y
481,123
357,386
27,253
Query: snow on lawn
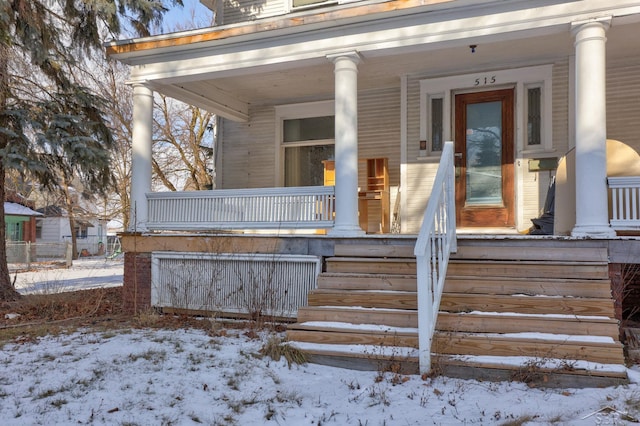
x,y
188,377
85,273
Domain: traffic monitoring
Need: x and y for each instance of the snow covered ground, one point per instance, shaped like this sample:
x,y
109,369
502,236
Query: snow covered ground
x,y
85,273
214,376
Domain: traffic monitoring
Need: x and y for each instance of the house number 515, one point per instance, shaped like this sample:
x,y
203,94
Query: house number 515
x,y
484,80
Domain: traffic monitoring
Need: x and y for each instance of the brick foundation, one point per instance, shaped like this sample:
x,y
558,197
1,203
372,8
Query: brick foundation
x,y
136,291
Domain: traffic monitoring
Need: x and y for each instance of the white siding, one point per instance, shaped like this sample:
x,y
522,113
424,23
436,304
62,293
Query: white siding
x,y
248,151
236,11
623,101
420,172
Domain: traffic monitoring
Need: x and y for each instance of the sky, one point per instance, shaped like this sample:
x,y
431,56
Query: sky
x,y
177,17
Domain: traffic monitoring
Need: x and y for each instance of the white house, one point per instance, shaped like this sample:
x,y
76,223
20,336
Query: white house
x,y
360,97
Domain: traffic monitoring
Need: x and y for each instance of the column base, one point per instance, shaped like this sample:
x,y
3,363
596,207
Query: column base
x,y
593,231
346,231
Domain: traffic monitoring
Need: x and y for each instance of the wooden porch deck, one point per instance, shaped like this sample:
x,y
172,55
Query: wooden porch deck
x,y
532,309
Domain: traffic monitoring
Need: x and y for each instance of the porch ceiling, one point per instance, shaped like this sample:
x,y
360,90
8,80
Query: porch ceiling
x,y
298,82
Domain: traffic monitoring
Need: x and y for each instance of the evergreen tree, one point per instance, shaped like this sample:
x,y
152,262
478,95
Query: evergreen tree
x,y
52,127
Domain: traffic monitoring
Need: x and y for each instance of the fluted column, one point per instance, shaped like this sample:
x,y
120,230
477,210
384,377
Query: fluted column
x,y
346,149
141,156
592,214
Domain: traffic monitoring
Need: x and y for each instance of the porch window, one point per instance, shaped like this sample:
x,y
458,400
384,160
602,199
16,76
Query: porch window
x,y
534,115
307,142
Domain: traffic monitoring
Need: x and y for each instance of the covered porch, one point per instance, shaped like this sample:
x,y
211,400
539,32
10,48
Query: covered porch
x,y
514,85
395,97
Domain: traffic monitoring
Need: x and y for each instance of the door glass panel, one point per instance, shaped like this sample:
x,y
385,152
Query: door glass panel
x,y
484,153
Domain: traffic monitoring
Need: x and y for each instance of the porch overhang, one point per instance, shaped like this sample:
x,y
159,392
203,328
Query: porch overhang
x,y
286,56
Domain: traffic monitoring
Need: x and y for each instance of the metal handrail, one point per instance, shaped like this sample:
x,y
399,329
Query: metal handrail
x,y
436,240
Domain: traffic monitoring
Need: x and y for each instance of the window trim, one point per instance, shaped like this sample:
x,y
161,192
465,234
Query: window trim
x,y
294,111
521,77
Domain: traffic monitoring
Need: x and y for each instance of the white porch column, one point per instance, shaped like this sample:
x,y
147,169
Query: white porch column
x,y
140,155
592,214
346,149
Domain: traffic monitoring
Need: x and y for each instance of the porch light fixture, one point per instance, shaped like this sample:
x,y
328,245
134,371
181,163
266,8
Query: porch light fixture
x,y
473,47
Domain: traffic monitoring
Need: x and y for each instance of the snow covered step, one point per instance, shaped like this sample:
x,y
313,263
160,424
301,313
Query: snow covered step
x,y
599,288
525,304
473,322
359,315
548,372
601,349
496,322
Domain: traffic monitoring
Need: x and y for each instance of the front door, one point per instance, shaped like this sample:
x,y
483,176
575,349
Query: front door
x,y
484,124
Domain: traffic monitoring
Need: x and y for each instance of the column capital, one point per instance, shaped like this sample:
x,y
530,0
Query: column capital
x,y
352,55
603,22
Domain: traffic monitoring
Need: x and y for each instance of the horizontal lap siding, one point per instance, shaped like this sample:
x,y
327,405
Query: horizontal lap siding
x,y
560,105
623,108
420,174
535,184
249,151
236,11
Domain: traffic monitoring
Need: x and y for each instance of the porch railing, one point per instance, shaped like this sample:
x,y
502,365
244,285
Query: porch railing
x,y
307,207
625,202
437,239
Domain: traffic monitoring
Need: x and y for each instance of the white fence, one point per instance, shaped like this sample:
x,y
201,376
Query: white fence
x,y
307,207
249,284
437,239
625,199
22,254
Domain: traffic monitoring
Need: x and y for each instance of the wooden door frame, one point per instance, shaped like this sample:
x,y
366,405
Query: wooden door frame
x,y
486,216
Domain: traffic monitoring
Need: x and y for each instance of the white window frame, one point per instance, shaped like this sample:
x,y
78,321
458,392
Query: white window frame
x,y
295,111
543,124
522,78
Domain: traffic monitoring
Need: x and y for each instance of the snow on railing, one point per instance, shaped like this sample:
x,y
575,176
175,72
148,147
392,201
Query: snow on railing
x,y
307,207
625,199
437,239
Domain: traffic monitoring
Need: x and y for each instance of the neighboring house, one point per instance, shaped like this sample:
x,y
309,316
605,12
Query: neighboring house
x,y
53,226
361,96
20,222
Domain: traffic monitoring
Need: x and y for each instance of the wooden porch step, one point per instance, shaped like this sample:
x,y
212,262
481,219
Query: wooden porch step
x,y
471,323
574,270
363,265
350,281
515,250
565,375
532,251
390,317
599,288
473,268
514,300
456,302
364,298
546,346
